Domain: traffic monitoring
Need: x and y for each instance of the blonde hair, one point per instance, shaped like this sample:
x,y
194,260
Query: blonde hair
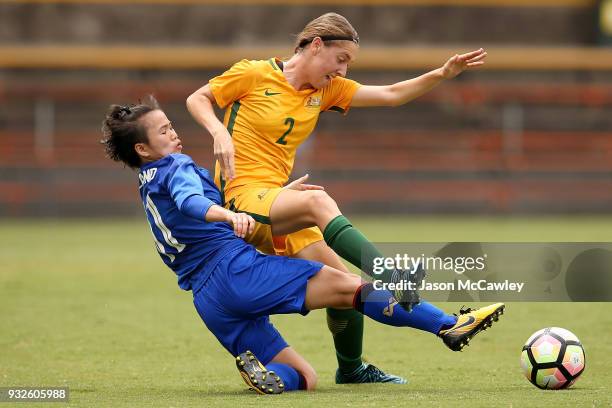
x,y
330,27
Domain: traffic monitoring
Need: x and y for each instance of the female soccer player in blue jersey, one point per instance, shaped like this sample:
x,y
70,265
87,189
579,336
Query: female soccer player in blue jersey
x,y
235,287
272,106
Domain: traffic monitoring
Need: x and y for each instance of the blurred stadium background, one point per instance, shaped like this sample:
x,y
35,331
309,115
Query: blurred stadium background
x,y
87,304
531,133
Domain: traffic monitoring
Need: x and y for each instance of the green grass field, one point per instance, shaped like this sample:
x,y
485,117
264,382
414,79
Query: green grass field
x,y
89,305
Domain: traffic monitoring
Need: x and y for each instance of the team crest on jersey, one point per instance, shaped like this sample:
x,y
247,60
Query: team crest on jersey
x,y
313,102
262,194
147,176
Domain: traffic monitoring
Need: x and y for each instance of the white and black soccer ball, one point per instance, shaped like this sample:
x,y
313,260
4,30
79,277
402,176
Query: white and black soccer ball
x,y
553,358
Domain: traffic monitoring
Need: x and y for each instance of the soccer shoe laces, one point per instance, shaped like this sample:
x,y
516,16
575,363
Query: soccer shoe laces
x,y
372,371
368,373
373,374
464,310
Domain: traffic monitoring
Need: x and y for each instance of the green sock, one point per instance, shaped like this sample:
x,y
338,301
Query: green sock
x,y
348,242
346,325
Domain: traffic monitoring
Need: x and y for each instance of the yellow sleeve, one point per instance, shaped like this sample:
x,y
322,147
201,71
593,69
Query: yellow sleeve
x,y
338,94
235,83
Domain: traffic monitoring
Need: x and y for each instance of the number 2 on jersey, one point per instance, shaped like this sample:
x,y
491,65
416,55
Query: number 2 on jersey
x,y
290,122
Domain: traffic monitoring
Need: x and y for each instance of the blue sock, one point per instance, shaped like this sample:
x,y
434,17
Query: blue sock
x,y
291,378
381,306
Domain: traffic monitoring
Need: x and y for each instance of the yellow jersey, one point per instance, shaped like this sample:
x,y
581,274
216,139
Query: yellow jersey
x,y
268,119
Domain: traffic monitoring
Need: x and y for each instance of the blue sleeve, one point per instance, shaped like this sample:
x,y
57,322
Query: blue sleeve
x,y
196,206
187,192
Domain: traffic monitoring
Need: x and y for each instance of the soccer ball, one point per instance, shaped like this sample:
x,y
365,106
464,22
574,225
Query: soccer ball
x,y
553,358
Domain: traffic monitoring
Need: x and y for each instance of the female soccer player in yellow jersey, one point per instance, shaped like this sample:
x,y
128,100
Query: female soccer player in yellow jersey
x,y
272,106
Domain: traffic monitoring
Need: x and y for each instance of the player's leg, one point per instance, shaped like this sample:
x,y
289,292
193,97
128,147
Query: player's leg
x,y
280,368
282,211
334,288
287,371
261,359
291,210
289,357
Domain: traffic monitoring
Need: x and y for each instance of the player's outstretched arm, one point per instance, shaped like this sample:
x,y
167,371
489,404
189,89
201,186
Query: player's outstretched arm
x,y
200,105
242,223
405,91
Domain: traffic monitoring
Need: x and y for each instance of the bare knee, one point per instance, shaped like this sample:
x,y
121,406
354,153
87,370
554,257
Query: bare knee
x,y
291,358
347,285
319,202
331,288
344,283
310,377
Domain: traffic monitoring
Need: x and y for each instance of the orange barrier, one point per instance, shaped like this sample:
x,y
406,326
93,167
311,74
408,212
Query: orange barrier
x,y
416,151
455,3
370,57
471,93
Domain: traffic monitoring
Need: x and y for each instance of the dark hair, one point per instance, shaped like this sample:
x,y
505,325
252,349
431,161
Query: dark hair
x,y
122,130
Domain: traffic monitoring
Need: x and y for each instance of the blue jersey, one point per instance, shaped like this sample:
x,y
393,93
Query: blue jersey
x,y
188,244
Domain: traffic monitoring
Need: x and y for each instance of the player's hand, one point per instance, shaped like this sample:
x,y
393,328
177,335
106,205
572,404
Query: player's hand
x,y
300,186
224,153
242,223
459,63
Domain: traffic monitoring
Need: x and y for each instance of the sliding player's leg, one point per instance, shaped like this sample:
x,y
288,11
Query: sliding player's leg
x,y
260,350
235,302
333,288
287,371
288,357
246,287
289,283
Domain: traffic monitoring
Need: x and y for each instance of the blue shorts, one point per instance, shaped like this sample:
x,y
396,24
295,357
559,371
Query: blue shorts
x,y
243,290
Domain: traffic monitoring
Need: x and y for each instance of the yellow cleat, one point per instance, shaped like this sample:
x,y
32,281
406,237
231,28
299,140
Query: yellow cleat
x,y
470,323
255,375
